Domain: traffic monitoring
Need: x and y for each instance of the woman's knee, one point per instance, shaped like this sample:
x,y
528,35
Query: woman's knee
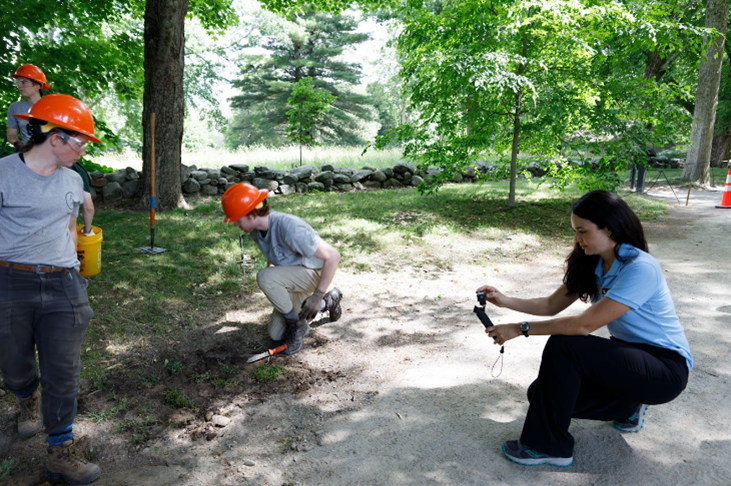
x,y
559,344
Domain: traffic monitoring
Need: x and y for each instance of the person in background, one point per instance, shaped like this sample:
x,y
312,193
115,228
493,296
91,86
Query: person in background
x,y
301,266
46,309
30,81
647,359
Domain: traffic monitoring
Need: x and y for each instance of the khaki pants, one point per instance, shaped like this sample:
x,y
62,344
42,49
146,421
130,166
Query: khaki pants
x,y
286,288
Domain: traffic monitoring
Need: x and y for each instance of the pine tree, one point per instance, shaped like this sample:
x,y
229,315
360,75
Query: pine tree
x,y
308,49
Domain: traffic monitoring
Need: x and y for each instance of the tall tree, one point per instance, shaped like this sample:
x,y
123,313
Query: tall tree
x,y
307,109
642,72
309,48
697,162
503,77
164,94
164,97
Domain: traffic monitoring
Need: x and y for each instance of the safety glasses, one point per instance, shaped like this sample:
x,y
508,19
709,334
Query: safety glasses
x,y
75,143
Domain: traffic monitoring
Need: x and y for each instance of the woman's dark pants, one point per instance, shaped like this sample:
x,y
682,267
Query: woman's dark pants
x,y
589,377
48,312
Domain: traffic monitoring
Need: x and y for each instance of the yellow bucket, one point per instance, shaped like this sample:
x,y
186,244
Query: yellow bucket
x,y
89,251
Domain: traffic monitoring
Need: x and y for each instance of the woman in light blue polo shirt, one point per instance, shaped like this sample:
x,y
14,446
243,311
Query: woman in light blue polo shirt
x,y
645,362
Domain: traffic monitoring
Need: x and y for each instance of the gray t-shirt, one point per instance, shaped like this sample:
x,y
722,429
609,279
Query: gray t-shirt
x,y
19,107
289,241
35,213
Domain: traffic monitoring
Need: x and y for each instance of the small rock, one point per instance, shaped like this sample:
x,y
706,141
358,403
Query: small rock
x,y
210,435
249,463
2,393
209,416
220,420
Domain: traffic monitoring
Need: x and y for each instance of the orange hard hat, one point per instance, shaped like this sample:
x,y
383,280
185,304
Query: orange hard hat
x,y
240,199
64,111
31,72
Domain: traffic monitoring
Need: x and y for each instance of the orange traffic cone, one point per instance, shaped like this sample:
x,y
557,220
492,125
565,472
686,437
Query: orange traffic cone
x,y
726,201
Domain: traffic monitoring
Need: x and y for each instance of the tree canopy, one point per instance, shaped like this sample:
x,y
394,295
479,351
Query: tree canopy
x,y
309,46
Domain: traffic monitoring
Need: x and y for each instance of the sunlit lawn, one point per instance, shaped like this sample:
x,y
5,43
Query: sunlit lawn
x,y
279,158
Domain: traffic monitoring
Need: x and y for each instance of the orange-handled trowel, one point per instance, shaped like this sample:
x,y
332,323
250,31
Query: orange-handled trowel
x,y
267,353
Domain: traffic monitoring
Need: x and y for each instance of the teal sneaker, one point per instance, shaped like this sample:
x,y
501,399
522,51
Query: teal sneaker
x,y
520,454
634,423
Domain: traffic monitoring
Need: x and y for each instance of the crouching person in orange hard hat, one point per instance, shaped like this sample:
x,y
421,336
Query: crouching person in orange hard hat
x,y
301,265
43,302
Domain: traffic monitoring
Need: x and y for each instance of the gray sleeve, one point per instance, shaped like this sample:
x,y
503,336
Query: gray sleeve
x,y
12,121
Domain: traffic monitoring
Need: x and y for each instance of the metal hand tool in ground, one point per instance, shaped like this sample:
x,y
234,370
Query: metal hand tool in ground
x,y
152,250
267,353
242,262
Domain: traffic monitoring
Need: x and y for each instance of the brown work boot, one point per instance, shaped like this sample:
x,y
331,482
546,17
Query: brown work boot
x,y
66,462
332,303
29,421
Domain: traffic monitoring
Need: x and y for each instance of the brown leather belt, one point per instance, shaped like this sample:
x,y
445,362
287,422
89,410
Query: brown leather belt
x,y
34,268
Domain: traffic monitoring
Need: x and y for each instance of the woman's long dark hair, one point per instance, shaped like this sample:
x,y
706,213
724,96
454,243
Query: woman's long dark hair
x,y
606,210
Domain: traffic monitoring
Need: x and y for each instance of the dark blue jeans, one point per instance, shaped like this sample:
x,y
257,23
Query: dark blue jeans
x,y
47,312
590,377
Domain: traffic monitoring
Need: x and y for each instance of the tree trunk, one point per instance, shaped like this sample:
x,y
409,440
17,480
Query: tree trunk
x,y
697,163
719,149
164,96
514,152
516,127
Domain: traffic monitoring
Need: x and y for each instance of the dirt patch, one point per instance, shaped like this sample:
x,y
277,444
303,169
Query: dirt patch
x,y
401,390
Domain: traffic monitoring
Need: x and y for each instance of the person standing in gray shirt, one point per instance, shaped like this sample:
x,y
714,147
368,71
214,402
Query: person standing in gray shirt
x,y
44,306
30,81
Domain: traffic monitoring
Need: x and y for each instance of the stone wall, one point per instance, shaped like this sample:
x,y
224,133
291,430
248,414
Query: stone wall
x,y
127,183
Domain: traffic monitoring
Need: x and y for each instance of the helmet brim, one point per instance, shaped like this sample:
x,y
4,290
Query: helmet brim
x,y
28,118
43,85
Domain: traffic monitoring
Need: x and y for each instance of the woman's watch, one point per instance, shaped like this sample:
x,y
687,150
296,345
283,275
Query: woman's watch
x,y
524,328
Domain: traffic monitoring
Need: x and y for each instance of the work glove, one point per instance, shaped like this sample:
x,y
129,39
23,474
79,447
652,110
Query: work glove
x,y
311,306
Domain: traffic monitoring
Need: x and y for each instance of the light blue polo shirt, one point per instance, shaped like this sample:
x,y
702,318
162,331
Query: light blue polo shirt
x,y
638,282
289,241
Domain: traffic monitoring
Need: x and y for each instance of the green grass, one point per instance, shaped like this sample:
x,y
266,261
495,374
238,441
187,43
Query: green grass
x,y
223,383
200,377
178,399
273,158
5,467
148,303
139,427
99,416
174,367
267,373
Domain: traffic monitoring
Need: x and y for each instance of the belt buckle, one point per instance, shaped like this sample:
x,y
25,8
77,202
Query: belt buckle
x,y
39,270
